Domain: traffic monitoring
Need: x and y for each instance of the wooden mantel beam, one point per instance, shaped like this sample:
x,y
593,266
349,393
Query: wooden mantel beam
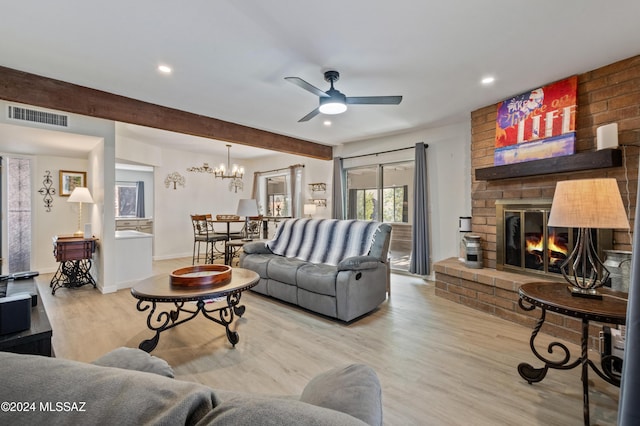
x,y
31,89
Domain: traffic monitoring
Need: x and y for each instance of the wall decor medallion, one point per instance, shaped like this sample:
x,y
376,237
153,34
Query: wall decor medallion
x,y
175,178
47,191
69,180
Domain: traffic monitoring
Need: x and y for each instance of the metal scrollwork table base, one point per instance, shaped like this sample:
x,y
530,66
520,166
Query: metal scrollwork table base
x,y
556,297
170,306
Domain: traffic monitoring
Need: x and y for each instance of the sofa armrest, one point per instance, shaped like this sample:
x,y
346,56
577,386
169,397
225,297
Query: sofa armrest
x,y
358,263
354,389
256,247
135,359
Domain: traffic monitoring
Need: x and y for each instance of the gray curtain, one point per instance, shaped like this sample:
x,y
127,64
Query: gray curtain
x,y
420,242
140,200
254,189
338,199
629,406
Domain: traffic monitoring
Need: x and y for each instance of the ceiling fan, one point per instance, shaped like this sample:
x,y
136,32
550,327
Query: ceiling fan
x,y
333,101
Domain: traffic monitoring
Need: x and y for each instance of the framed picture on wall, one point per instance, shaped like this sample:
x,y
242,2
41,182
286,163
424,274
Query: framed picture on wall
x,y
69,180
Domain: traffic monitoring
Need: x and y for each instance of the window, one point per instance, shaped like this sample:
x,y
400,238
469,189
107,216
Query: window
x,y
394,204
126,199
279,192
278,200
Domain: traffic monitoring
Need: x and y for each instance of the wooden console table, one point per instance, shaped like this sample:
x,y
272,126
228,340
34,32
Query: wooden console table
x,y
74,255
555,297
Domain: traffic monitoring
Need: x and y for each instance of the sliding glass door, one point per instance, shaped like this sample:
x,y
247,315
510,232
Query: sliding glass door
x,y
384,192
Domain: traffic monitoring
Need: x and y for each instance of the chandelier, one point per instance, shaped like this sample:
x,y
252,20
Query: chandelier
x,y
228,172
234,172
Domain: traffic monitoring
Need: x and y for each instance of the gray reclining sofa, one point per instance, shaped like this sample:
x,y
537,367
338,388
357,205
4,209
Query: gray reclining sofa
x,y
333,267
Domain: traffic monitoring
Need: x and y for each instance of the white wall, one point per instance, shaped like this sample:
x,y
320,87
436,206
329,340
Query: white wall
x,y
202,193
63,217
449,177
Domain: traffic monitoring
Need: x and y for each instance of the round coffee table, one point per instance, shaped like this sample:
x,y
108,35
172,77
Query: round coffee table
x,y
154,292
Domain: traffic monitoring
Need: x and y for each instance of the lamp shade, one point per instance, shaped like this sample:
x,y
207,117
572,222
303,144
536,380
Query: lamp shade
x,y
80,194
309,209
247,207
588,203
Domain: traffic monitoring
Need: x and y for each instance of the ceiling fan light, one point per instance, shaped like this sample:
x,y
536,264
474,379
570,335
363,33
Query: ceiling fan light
x,y
333,107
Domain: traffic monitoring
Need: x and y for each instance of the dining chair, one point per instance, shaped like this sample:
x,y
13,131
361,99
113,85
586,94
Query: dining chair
x,y
203,233
253,227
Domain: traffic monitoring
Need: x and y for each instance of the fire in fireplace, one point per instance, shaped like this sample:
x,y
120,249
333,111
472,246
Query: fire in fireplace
x,y
526,244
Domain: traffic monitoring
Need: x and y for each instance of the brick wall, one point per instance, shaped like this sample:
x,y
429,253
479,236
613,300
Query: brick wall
x,y
610,94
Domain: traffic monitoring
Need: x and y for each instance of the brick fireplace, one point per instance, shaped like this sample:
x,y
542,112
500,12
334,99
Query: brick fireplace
x,y
525,244
606,95
610,94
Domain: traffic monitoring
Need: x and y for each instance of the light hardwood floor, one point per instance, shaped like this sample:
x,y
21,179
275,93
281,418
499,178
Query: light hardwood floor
x,y
439,363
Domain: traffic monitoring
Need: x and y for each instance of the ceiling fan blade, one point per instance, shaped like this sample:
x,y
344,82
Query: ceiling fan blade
x,y
306,86
310,115
375,100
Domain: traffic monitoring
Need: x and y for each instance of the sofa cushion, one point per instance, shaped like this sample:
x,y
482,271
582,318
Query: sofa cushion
x,y
323,240
316,302
318,278
284,269
135,359
354,389
286,292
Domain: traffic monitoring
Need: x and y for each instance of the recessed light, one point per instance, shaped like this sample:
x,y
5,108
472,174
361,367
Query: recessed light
x,y
327,123
488,80
165,69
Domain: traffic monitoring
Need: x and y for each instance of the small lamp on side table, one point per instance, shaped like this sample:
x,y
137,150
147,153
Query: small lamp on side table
x,y
80,195
309,210
247,208
587,204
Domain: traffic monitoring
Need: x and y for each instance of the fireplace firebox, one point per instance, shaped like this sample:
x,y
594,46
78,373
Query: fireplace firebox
x,y
524,242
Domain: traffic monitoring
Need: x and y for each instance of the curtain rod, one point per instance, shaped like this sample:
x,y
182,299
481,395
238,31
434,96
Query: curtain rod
x,y
383,152
283,168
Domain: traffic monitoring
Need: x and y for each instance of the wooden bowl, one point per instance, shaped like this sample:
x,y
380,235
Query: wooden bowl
x,y
201,276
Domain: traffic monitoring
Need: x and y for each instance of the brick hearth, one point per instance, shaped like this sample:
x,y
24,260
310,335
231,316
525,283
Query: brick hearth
x,y
496,292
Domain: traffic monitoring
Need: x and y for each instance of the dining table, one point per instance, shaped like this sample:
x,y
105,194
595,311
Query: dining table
x,y
228,221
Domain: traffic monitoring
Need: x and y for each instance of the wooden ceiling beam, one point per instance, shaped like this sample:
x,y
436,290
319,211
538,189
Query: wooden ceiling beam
x,y
31,89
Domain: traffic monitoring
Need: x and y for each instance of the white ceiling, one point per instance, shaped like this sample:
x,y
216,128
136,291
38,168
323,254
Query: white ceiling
x,y
229,58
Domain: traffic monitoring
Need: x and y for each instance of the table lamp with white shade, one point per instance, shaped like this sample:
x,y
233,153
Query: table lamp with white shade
x,y
80,195
587,204
247,208
309,210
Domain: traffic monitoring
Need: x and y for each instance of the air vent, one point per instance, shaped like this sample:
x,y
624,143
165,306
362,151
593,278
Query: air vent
x,y
42,117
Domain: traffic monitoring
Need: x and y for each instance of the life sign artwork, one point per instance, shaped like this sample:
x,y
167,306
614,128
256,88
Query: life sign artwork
x,y
537,124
